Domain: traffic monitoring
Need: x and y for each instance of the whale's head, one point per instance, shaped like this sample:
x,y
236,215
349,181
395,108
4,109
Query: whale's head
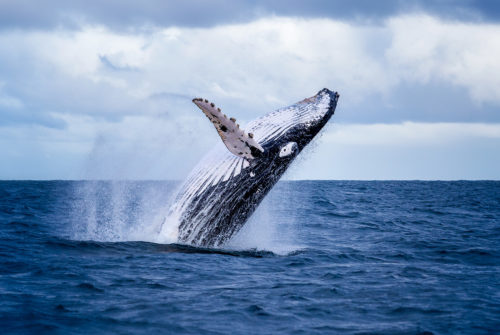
x,y
285,132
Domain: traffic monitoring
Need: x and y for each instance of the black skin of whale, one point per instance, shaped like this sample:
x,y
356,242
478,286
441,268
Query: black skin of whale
x,y
234,201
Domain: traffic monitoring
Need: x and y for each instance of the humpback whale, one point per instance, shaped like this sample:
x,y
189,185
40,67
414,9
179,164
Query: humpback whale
x,y
226,187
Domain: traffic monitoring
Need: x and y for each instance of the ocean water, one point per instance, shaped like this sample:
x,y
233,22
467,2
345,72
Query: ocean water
x,y
318,257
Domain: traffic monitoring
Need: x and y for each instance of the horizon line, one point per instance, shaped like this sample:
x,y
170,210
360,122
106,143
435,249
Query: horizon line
x,y
284,180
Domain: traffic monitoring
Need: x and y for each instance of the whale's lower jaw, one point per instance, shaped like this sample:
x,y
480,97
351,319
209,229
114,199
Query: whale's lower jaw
x,y
224,190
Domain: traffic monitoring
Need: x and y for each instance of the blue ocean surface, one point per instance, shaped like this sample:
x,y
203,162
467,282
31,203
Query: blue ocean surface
x,y
318,257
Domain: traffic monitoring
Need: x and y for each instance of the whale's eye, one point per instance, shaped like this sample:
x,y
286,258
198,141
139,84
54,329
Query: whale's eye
x,y
288,149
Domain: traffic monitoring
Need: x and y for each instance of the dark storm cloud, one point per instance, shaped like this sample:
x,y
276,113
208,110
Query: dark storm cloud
x,y
129,14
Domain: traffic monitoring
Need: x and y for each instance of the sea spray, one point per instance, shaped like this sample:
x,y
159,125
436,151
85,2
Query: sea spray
x,y
266,231
114,211
221,194
107,207
120,211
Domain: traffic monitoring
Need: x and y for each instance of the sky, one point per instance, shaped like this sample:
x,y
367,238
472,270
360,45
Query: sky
x,y
102,90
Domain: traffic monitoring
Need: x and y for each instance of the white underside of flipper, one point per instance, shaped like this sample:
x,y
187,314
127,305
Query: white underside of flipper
x,y
236,140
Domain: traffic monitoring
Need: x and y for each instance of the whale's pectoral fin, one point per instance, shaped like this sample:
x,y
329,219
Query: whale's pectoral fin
x,y
239,142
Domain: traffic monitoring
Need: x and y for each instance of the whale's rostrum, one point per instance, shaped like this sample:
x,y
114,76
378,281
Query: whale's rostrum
x,y
226,187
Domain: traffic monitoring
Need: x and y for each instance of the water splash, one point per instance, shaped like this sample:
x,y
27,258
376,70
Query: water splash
x,y
116,211
217,198
264,231
119,211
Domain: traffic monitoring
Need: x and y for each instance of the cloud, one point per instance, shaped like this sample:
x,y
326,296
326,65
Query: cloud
x,y
444,151
135,147
133,15
415,68
153,148
424,49
410,68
